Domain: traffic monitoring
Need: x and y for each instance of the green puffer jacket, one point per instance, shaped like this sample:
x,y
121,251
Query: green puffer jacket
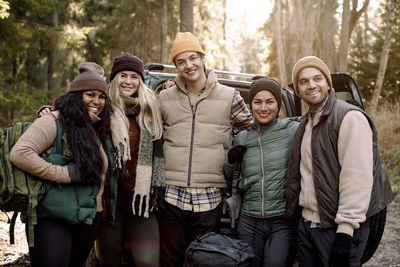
x,y
264,167
75,203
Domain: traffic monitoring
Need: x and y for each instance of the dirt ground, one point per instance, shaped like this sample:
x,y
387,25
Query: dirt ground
x,y
387,253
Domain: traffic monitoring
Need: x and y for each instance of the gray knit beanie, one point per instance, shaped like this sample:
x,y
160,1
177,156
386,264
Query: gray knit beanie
x,y
90,77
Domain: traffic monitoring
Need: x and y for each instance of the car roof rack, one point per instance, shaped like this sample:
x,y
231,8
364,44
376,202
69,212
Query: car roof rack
x,y
159,66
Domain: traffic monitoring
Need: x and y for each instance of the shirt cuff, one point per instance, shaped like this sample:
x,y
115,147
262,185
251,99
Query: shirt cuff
x,y
345,228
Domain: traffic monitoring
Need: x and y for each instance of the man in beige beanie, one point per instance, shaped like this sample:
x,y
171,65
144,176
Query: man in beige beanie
x,y
199,115
334,174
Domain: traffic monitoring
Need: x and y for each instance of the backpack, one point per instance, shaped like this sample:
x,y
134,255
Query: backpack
x,y
213,249
19,191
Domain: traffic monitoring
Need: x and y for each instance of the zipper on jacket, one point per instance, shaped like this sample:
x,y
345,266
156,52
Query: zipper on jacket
x,y
191,141
262,171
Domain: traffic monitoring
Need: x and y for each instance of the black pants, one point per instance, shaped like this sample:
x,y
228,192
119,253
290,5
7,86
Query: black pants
x,y
140,234
273,240
62,244
315,244
178,228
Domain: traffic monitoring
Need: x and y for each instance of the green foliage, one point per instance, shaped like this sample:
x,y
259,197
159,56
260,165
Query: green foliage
x,y
365,59
42,43
21,102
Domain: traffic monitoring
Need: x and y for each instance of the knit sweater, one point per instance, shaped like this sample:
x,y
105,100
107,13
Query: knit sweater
x,y
145,170
39,138
126,183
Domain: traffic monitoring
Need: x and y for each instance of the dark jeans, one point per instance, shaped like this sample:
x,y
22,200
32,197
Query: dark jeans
x,y
315,244
139,235
273,240
178,228
62,244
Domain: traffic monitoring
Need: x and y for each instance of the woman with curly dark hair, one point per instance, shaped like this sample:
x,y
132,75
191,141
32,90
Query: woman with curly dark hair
x,y
72,151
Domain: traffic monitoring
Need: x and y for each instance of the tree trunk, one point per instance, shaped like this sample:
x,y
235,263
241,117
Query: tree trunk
x,y
344,36
52,57
224,50
164,32
383,63
279,45
327,29
366,37
186,14
349,21
355,15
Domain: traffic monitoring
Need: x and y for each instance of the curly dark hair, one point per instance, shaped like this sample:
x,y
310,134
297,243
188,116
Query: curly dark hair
x,y
81,135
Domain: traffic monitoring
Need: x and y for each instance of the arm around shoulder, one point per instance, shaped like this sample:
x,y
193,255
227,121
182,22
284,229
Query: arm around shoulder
x,y
37,139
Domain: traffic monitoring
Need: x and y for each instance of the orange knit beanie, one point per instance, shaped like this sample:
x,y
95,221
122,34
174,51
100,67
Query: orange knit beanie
x,y
185,42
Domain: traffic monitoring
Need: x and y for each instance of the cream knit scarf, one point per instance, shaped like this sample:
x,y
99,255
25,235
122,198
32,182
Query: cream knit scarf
x,y
146,175
120,138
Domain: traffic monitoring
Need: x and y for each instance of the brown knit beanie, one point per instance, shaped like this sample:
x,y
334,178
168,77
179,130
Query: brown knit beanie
x,y
307,62
185,42
127,62
266,84
90,77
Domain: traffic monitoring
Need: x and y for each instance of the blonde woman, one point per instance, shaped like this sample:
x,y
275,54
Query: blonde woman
x,y
135,117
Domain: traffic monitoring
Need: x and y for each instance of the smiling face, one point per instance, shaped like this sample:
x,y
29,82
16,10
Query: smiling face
x,y
264,107
128,83
191,66
95,101
313,87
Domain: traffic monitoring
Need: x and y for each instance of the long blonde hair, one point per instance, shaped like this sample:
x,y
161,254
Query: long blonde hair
x,y
149,115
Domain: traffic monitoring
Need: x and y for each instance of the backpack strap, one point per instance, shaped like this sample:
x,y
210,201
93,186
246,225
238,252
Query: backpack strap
x,y
33,198
12,226
13,219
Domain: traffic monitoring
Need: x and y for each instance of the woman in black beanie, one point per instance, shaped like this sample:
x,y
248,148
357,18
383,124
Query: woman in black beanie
x,y
138,128
264,154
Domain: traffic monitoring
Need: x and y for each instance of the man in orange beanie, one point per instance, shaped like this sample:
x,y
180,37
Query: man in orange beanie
x,y
199,115
334,172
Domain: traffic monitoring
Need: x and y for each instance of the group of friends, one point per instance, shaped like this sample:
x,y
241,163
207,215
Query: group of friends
x,y
309,184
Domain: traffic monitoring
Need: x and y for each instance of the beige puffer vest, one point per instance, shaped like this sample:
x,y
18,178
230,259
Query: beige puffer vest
x,y
196,139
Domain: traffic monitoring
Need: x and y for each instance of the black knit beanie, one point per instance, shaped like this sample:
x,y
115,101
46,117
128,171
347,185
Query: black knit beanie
x,y
266,84
127,62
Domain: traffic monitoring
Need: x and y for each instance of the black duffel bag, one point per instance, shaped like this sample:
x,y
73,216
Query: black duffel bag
x,y
212,249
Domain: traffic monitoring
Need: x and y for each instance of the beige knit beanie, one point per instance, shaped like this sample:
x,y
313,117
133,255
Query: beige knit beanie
x,y
185,42
307,62
90,77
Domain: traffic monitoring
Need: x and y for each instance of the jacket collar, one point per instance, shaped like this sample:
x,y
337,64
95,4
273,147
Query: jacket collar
x,y
263,127
327,109
329,104
211,83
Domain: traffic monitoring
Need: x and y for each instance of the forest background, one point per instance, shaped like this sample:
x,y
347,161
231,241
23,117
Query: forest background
x,y
42,43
